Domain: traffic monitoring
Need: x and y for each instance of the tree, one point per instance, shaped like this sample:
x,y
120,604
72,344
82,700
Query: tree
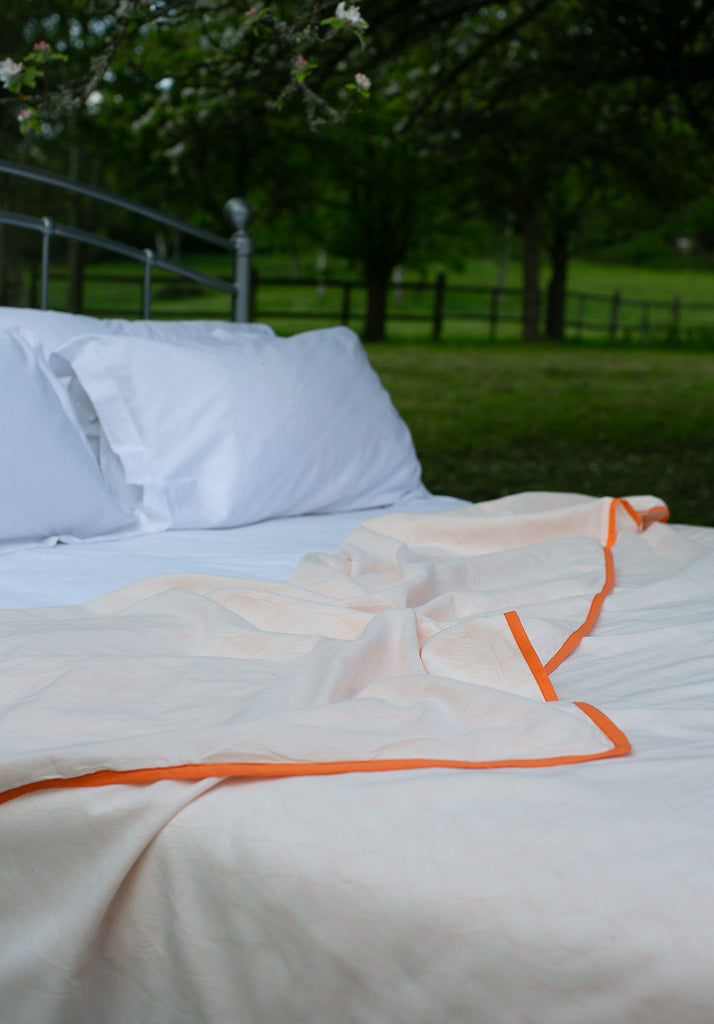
x,y
555,139
548,113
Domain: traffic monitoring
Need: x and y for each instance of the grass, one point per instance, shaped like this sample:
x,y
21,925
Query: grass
x,y
647,310
648,295
490,421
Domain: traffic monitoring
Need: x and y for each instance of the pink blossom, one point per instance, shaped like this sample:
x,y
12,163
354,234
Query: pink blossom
x,y
300,62
42,46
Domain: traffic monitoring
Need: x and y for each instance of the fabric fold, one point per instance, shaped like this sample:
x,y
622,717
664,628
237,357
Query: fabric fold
x,y
428,640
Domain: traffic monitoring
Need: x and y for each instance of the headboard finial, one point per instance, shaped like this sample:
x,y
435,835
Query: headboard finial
x,y
239,213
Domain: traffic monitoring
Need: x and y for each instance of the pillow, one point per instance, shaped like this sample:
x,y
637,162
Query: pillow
x,y
52,329
217,436
50,484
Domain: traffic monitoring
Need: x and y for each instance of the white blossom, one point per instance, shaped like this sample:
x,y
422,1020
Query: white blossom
x,y
175,151
351,14
9,69
363,82
94,101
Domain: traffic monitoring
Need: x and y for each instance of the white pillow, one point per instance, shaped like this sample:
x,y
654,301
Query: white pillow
x,y
222,435
50,484
52,329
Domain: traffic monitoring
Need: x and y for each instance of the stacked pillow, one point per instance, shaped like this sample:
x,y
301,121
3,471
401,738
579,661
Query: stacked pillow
x,y
192,424
50,484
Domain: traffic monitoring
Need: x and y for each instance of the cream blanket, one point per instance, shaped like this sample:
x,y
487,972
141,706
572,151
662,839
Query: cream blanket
x,y
429,639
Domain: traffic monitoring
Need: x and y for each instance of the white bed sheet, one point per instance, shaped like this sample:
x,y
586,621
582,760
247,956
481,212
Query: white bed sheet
x,y
74,573
577,893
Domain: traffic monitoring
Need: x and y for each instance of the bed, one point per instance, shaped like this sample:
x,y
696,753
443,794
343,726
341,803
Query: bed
x,y
286,739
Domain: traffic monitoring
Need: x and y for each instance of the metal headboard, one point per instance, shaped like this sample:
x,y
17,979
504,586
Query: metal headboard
x,y
239,244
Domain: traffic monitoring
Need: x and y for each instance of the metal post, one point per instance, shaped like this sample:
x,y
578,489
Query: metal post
x,y
149,260
48,227
239,213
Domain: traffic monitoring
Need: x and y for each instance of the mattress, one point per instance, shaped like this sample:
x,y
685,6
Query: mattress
x,y
573,892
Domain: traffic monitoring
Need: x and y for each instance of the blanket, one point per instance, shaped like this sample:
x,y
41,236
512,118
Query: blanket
x,y
427,640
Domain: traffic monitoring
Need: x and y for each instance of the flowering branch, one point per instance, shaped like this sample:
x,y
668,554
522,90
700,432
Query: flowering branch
x,y
260,36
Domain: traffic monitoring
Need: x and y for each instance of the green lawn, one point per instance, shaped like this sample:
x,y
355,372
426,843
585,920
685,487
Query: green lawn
x,y
648,297
490,421
492,418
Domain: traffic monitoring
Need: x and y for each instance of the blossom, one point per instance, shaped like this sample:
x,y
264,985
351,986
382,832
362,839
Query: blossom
x,y
94,101
302,68
9,69
25,115
42,46
251,11
351,14
363,82
175,151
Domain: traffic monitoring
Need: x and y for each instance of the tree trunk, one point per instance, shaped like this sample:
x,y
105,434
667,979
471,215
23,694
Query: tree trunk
x,y
555,314
531,276
377,291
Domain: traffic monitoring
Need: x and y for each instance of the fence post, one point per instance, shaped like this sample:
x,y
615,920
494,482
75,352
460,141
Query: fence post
x,y
645,323
439,290
496,295
615,313
346,301
676,310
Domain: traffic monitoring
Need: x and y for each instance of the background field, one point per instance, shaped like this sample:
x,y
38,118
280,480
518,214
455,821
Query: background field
x,y
491,421
636,416
656,306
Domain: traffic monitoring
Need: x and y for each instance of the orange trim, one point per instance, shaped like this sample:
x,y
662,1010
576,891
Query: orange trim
x,y
597,602
612,519
654,514
248,770
540,672
657,513
530,657
620,743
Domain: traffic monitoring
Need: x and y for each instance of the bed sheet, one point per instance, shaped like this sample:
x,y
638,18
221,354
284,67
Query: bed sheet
x,y
269,550
518,896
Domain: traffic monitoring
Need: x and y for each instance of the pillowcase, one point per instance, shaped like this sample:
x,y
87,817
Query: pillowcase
x,y
261,427
50,484
52,329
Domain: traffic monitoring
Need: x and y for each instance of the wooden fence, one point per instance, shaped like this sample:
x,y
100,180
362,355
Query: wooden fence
x,y
498,310
445,310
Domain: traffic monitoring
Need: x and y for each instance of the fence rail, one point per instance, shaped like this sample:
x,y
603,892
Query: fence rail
x,y
486,313
440,304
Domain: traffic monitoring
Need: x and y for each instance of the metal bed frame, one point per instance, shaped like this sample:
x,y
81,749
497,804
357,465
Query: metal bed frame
x,y
239,243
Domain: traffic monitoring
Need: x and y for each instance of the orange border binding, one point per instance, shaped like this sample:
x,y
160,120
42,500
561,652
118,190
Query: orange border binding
x,y
541,674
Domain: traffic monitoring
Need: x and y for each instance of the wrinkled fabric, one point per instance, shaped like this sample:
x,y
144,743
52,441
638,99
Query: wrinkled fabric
x,y
421,642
